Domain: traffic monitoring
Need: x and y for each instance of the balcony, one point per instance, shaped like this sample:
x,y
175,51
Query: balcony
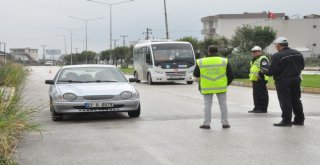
x,y
210,31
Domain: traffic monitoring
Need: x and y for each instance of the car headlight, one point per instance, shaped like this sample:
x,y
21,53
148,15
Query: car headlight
x,y
125,94
158,72
69,96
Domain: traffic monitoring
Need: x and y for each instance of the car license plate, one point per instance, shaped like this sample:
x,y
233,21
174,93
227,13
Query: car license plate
x,y
98,105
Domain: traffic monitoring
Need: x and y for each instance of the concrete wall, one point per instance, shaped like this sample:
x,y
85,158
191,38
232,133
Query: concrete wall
x,y
227,27
299,32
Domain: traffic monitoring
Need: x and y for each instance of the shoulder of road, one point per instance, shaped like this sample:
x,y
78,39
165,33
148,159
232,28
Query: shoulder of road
x,y
272,87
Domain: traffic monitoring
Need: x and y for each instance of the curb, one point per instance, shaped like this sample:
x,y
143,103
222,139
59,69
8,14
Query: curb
x,y
272,87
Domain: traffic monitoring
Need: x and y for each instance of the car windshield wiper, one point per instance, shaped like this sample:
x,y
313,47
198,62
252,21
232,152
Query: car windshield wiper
x,y
100,81
71,81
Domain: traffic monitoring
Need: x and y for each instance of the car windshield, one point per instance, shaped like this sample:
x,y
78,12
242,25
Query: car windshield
x,y
170,53
91,75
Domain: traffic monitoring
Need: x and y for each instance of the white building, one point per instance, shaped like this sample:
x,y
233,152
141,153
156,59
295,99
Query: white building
x,y
24,54
302,34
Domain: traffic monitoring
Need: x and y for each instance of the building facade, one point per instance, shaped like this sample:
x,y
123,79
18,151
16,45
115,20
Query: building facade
x,y
24,54
2,57
302,34
226,24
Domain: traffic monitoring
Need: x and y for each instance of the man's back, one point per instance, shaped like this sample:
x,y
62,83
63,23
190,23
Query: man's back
x,y
286,63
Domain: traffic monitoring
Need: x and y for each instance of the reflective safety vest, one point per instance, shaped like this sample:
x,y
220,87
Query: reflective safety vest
x,y
213,77
255,68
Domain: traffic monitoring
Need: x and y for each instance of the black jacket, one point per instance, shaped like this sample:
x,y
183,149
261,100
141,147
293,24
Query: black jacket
x,y
286,63
196,73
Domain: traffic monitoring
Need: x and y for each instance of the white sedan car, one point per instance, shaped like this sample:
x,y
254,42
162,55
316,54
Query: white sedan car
x,y
92,89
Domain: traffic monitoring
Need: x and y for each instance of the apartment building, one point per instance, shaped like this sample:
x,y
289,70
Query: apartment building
x,y
24,54
302,33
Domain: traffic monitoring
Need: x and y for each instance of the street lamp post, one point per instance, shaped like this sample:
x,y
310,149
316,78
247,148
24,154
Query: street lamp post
x,y
70,42
110,5
86,26
166,19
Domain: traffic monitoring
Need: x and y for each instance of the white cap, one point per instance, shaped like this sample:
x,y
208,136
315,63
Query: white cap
x,y
280,40
256,48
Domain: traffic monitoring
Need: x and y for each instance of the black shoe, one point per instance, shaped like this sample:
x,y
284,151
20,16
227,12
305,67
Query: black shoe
x,y
225,126
283,124
252,111
257,111
260,111
205,126
297,123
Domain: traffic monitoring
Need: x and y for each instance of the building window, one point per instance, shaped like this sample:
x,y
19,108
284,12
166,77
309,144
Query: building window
x,y
314,44
314,26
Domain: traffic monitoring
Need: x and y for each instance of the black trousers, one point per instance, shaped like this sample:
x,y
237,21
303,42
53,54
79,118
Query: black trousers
x,y
289,95
260,95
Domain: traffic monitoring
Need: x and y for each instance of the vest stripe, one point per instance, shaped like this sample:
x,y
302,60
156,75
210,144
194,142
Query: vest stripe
x,y
221,88
213,79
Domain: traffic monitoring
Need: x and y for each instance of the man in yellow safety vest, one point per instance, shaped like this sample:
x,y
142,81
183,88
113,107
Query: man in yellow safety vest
x,y
214,75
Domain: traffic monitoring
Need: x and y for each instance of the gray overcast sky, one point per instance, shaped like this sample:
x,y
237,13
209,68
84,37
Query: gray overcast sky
x,y
31,23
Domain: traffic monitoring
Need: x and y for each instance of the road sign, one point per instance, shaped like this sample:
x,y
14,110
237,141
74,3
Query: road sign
x,y
53,51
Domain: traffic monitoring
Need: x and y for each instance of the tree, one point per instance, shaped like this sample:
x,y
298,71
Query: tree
x,y
193,41
88,56
247,37
105,55
223,44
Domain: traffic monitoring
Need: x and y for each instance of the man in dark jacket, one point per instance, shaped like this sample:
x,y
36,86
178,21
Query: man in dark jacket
x,y
286,66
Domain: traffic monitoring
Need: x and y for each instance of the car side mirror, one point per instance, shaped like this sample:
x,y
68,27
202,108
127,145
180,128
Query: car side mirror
x,y
49,82
133,80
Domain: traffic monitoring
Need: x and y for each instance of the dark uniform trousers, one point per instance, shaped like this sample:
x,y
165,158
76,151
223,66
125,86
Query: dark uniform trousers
x,y
289,95
260,95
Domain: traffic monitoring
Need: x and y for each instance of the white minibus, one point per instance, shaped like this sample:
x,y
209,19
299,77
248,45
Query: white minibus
x,y
163,61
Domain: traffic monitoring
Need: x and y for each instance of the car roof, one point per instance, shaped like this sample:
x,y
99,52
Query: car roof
x,y
88,65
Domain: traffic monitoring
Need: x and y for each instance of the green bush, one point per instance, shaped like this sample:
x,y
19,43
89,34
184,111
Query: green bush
x,y
11,75
312,62
240,64
14,117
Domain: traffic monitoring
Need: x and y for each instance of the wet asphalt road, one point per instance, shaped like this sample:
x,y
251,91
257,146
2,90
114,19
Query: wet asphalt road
x,y
167,131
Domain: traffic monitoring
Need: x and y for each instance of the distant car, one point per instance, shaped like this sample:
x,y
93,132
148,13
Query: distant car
x,y
92,89
48,63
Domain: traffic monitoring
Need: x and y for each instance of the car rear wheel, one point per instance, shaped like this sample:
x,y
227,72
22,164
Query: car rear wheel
x,y
136,76
135,113
54,115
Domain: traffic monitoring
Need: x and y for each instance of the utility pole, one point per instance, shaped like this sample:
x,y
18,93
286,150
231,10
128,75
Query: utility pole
x,y
4,52
43,53
166,19
76,50
124,39
149,31
115,42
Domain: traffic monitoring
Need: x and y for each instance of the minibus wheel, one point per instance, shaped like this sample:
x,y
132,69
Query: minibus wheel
x,y
149,78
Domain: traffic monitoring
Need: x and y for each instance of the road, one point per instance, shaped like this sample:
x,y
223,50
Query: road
x,y
168,131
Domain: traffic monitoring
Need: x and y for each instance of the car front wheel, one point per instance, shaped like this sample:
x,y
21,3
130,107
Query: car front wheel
x,y
135,113
190,82
54,115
